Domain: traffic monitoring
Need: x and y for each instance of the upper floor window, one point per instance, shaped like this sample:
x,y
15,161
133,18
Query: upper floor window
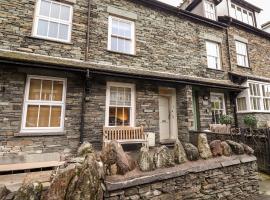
x,y
53,20
255,98
217,106
121,35
120,104
213,55
242,15
44,104
242,54
210,11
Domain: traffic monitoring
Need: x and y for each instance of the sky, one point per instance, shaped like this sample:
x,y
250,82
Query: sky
x,y
264,4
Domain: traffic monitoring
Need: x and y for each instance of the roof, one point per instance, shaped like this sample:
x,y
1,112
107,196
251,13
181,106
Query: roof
x,y
247,5
34,60
251,77
247,27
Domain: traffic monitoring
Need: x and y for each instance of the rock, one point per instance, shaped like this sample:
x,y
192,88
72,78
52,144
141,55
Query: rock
x,y
163,157
145,160
216,148
30,191
226,149
3,191
203,146
248,150
88,184
60,183
85,149
113,153
191,151
179,153
236,147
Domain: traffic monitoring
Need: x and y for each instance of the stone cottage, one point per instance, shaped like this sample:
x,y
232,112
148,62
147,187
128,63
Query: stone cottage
x,y
71,68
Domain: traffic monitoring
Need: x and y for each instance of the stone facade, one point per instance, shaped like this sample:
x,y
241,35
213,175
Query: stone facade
x,y
231,179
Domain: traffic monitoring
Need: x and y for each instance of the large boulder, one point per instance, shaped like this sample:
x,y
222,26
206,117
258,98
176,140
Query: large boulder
x,y
145,160
226,149
216,148
203,146
179,153
87,185
85,149
237,148
3,191
112,154
191,151
163,157
61,182
30,191
248,150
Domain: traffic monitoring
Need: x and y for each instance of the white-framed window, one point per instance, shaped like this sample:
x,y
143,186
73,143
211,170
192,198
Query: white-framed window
x,y
44,104
242,54
256,98
210,10
242,14
121,35
53,20
213,55
120,104
217,106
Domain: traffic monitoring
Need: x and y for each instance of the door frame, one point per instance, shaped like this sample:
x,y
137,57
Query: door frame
x,y
171,95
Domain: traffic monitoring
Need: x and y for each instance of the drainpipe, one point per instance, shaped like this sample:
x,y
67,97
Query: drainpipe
x,y
85,91
228,44
88,31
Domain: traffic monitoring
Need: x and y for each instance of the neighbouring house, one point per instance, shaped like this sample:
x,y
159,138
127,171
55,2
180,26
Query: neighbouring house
x,y
70,68
266,27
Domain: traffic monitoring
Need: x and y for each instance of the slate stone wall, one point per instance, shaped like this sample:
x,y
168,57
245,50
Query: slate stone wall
x,y
16,21
262,119
232,180
12,82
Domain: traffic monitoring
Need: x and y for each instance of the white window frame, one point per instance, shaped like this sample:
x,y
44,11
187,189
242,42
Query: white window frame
x,y
132,107
27,102
37,17
132,39
210,14
245,55
246,93
249,13
218,58
223,97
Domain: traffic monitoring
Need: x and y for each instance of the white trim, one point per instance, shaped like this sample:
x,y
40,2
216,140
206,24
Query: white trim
x,y
240,54
234,15
132,107
58,21
218,52
27,102
209,11
132,38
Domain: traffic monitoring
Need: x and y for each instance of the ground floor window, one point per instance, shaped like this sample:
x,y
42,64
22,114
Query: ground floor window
x,y
217,107
44,104
120,104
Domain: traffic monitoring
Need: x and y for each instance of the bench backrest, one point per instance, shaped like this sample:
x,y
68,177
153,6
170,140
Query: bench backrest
x,y
123,133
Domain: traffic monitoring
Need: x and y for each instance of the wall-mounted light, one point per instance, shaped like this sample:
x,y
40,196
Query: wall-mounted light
x,y
206,98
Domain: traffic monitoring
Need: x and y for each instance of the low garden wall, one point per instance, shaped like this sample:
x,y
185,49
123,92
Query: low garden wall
x,y
232,177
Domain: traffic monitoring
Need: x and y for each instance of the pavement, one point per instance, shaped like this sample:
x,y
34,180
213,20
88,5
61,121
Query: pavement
x,y
264,187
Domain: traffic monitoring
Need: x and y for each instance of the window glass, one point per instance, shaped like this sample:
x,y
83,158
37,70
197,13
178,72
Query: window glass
x,y
241,53
242,14
217,107
213,55
241,104
53,20
121,37
210,11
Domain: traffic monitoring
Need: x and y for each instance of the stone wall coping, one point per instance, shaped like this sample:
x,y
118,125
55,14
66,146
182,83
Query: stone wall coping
x,y
101,67
39,134
120,182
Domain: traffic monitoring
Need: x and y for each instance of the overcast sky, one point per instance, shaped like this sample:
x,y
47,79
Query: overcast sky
x,y
264,4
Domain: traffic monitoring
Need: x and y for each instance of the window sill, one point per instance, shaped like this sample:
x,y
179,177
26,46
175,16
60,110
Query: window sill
x,y
240,66
49,40
217,70
39,134
253,112
121,53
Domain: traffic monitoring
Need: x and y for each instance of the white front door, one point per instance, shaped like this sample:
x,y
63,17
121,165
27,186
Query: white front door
x,y
164,117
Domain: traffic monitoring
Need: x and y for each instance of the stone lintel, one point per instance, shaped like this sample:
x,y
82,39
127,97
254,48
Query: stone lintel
x,y
113,183
122,13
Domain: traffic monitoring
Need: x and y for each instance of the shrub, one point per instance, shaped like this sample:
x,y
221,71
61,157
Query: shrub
x,y
226,119
250,121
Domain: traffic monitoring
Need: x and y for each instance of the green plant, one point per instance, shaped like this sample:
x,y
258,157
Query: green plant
x,y
226,119
250,121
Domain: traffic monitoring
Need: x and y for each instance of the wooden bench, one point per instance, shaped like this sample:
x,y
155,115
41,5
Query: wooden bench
x,y
125,135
